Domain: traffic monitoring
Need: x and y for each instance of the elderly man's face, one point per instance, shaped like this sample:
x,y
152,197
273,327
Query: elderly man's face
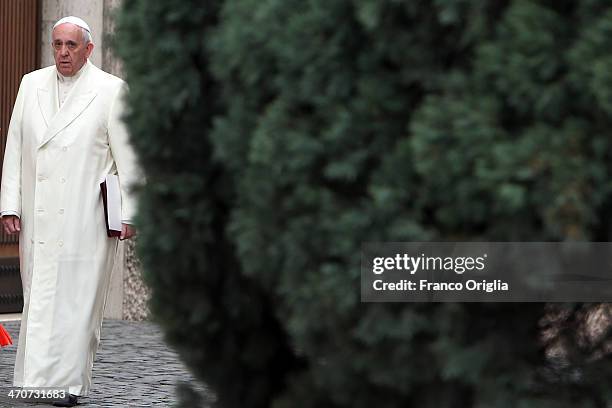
x,y
69,48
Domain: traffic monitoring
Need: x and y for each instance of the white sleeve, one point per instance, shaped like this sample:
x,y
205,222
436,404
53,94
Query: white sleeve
x,y
124,156
10,188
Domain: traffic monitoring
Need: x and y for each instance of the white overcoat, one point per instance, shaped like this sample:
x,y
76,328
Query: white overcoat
x,y
54,162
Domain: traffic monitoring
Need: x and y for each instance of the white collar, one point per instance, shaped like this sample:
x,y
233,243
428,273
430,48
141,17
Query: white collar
x,y
69,80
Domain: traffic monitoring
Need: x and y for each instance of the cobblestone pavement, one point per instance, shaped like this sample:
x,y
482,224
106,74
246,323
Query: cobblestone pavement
x,y
133,368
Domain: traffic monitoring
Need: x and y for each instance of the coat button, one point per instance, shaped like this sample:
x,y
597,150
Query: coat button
x,y
61,210
60,243
41,242
63,180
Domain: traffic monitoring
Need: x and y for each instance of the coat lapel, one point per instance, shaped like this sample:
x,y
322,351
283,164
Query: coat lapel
x,y
78,100
47,98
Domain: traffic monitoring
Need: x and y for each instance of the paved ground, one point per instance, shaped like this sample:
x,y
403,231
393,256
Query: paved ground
x,y
133,368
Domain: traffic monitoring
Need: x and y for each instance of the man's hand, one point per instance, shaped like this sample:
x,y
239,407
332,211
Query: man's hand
x,y
11,224
127,231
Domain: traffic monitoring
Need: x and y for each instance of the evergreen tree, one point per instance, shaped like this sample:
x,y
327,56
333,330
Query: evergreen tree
x,y
277,136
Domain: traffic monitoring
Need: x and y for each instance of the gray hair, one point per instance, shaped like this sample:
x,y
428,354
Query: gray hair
x,y
86,36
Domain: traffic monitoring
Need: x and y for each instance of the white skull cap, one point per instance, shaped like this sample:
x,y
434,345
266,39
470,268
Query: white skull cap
x,y
73,20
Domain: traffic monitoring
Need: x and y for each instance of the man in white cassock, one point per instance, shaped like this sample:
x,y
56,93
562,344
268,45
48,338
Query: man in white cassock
x,y
64,137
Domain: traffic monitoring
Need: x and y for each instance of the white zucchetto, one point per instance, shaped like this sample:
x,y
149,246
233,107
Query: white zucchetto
x,y
73,20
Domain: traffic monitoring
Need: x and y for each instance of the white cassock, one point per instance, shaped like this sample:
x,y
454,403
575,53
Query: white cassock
x,y
54,162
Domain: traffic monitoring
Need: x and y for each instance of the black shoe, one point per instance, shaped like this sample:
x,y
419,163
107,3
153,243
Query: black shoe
x,y
69,401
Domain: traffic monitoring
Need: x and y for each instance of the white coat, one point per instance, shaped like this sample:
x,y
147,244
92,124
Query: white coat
x,y
54,162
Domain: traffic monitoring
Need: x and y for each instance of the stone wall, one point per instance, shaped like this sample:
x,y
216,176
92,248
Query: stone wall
x,y
135,292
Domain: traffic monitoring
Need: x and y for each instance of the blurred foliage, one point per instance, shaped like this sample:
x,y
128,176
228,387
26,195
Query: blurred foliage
x,y
277,136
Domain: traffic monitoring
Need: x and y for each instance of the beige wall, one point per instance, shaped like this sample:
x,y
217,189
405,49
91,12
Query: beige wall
x,y
109,62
